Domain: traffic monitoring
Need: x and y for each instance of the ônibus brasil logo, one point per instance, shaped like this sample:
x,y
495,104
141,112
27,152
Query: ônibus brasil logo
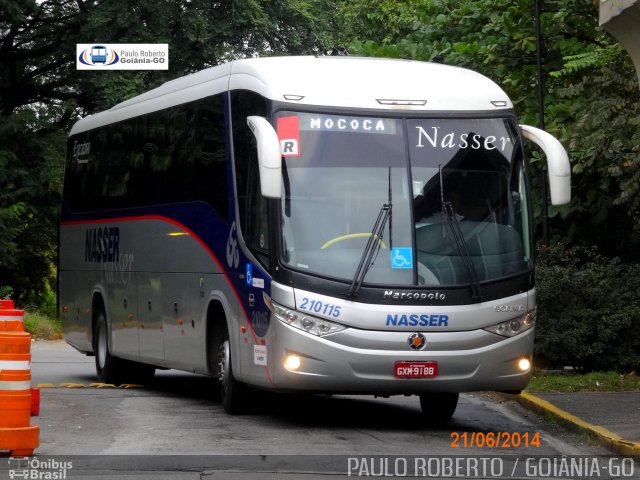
x,y
98,55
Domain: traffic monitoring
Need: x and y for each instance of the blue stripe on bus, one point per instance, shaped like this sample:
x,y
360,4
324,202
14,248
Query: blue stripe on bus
x,y
205,225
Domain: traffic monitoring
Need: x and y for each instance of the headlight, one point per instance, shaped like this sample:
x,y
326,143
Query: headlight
x,y
303,321
515,326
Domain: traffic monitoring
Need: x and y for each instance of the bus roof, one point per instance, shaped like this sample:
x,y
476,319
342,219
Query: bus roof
x,y
351,82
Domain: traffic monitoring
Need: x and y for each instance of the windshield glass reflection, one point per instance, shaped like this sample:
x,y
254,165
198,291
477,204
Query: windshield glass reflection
x,y
337,175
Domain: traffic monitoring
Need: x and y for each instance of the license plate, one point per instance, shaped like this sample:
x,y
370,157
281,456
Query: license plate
x,y
416,369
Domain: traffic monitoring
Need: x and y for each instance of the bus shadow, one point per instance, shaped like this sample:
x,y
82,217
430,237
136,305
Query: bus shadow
x,y
307,410
323,411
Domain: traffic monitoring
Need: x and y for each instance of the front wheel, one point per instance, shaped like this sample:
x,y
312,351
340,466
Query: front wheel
x,y
232,392
438,407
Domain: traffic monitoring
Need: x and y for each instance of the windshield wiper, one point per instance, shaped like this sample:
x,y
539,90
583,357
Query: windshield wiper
x,y
287,190
372,247
461,243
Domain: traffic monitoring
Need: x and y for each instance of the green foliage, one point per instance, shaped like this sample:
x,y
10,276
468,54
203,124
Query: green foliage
x,y
31,158
6,292
591,95
42,94
588,311
589,382
373,24
47,303
42,326
597,102
597,57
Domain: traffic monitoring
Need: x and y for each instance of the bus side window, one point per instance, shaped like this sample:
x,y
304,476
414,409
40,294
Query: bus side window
x,y
115,189
208,177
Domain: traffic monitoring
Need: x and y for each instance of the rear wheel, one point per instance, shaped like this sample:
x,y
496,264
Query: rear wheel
x,y
108,368
438,407
112,369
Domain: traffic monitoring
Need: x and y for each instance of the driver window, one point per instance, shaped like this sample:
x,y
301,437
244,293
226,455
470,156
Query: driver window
x,y
252,206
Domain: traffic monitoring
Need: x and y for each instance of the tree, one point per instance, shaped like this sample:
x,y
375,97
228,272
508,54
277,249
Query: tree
x,y
42,94
599,113
590,95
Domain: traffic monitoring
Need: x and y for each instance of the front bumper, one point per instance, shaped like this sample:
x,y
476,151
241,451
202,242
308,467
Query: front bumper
x,y
356,361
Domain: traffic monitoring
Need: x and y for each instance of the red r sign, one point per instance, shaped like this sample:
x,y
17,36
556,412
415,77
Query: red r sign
x,y
289,135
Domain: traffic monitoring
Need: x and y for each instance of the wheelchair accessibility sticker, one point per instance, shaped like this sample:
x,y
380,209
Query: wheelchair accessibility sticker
x,y
249,274
402,257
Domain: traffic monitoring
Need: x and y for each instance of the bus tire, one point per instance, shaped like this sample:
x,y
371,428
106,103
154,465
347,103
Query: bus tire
x,y
112,369
216,325
232,392
108,368
438,407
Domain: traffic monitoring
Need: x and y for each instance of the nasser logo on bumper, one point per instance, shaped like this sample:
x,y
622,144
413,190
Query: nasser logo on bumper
x,y
417,320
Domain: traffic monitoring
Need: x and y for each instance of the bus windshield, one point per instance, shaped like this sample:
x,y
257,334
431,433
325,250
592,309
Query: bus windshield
x,y
438,176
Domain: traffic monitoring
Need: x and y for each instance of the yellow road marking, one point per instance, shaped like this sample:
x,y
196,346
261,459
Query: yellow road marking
x,y
90,385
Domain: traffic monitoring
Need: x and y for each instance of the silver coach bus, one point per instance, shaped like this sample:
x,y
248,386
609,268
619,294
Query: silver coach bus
x,y
302,224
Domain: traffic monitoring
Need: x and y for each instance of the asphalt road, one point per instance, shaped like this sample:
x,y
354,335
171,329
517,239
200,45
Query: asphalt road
x,y
173,429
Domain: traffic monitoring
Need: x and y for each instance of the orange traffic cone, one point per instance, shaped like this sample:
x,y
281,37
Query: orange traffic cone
x,y
11,320
7,304
16,434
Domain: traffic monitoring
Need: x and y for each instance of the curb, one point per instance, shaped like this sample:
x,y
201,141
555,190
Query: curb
x,y
612,441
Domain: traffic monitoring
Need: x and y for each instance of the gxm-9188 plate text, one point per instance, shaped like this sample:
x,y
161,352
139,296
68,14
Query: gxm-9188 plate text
x,y
416,369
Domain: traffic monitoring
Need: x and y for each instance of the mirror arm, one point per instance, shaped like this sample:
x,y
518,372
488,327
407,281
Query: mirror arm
x,y
269,156
558,165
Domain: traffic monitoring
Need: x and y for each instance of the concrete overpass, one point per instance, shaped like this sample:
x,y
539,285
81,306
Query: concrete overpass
x,y
621,18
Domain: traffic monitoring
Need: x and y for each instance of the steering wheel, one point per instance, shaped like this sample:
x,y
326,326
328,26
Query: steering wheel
x,y
353,235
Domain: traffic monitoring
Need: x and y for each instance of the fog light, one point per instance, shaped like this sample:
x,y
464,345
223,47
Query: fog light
x,y
524,364
292,362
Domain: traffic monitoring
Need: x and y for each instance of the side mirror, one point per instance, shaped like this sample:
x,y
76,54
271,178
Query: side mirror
x,y
269,157
557,163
